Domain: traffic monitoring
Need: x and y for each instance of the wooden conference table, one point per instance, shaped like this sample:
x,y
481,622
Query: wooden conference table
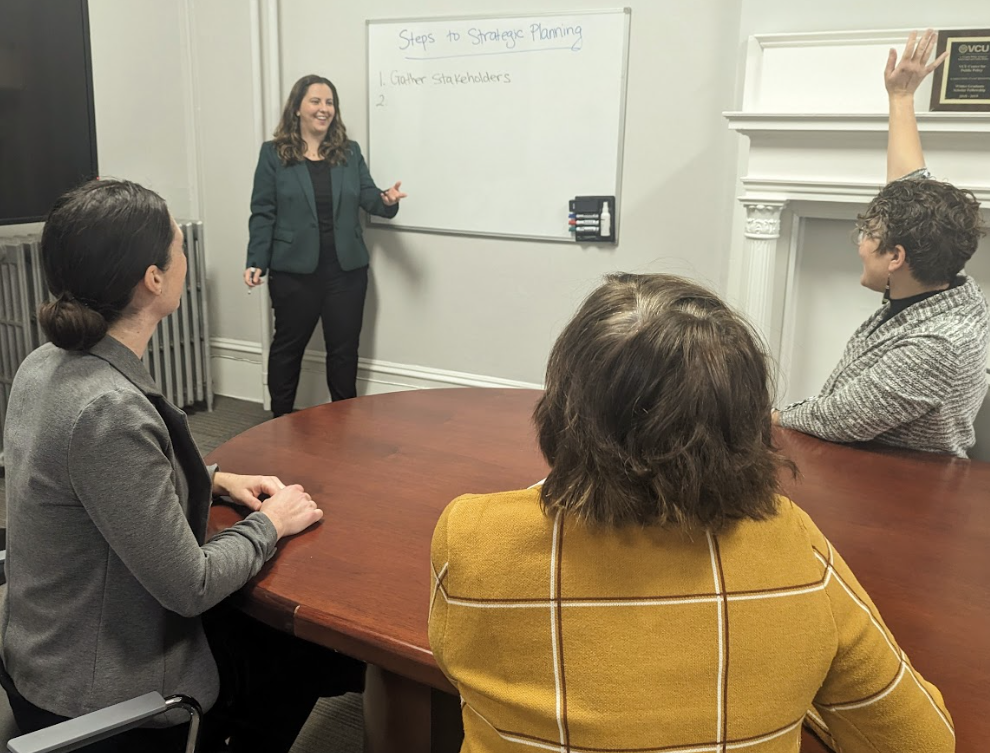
x,y
914,528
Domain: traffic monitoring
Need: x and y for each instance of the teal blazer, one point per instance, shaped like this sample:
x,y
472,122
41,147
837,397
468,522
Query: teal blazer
x,y
284,233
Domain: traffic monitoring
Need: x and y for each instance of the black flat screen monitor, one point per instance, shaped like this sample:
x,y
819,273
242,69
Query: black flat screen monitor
x,y
47,121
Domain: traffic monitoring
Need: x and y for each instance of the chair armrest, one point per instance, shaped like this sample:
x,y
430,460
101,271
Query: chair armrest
x,y
92,727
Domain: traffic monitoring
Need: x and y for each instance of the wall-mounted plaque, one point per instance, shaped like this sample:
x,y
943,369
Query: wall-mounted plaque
x,y
962,82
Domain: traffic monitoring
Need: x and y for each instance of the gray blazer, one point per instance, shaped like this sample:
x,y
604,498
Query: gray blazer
x,y
108,566
916,381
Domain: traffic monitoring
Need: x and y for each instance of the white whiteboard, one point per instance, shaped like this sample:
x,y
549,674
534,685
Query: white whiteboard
x,y
493,123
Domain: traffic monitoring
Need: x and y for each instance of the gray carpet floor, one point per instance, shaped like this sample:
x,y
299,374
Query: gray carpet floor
x,y
336,724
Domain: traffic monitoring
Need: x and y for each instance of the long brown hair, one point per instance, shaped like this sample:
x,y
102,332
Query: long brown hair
x,y
657,410
289,144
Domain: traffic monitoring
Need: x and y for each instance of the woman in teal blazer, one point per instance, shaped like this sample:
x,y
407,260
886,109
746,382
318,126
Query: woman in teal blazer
x,y
306,235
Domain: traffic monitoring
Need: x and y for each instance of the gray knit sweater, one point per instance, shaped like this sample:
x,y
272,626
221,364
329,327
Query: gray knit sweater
x,y
108,566
915,381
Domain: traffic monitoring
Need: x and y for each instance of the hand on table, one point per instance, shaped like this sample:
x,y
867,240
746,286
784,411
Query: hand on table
x,y
903,78
291,510
391,196
245,489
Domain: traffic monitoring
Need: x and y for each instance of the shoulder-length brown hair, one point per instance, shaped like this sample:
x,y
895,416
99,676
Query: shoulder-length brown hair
x,y
289,144
657,410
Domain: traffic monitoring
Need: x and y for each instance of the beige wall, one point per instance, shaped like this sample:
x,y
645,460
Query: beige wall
x,y
493,306
141,83
483,306
176,93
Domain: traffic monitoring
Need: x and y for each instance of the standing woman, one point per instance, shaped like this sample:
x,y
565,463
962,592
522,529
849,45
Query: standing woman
x,y
305,233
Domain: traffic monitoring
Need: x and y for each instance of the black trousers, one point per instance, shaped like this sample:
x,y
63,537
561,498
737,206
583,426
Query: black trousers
x,y
336,297
269,683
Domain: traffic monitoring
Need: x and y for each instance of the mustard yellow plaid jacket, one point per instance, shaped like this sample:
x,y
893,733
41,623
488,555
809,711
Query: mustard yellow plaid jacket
x,y
563,638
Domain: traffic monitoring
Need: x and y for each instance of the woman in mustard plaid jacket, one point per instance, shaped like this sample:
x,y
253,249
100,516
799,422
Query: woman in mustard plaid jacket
x,y
656,593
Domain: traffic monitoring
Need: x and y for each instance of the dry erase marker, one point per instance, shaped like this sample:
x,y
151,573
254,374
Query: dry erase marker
x,y
583,223
584,216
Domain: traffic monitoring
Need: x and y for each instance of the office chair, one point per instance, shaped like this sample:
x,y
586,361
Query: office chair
x,y
99,725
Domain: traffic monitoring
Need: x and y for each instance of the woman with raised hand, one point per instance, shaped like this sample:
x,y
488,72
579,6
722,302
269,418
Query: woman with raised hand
x,y
113,588
914,374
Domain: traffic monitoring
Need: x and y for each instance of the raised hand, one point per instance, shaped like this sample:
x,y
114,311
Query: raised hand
x,y
903,78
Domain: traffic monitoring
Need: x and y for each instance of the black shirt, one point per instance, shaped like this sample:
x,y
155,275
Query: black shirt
x,y
897,305
319,174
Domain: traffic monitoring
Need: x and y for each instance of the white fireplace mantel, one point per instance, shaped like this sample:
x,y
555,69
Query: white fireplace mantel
x,y
814,111
756,124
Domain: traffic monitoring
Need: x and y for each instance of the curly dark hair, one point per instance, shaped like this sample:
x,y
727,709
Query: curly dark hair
x,y
938,225
657,410
289,142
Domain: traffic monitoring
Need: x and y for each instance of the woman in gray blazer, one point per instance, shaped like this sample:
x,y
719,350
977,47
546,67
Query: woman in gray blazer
x,y
108,567
913,375
306,235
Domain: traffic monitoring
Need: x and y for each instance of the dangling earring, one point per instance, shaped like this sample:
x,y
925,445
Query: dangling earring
x,y
886,291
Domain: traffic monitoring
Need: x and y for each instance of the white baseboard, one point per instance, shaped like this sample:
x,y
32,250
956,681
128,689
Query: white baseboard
x,y
237,373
